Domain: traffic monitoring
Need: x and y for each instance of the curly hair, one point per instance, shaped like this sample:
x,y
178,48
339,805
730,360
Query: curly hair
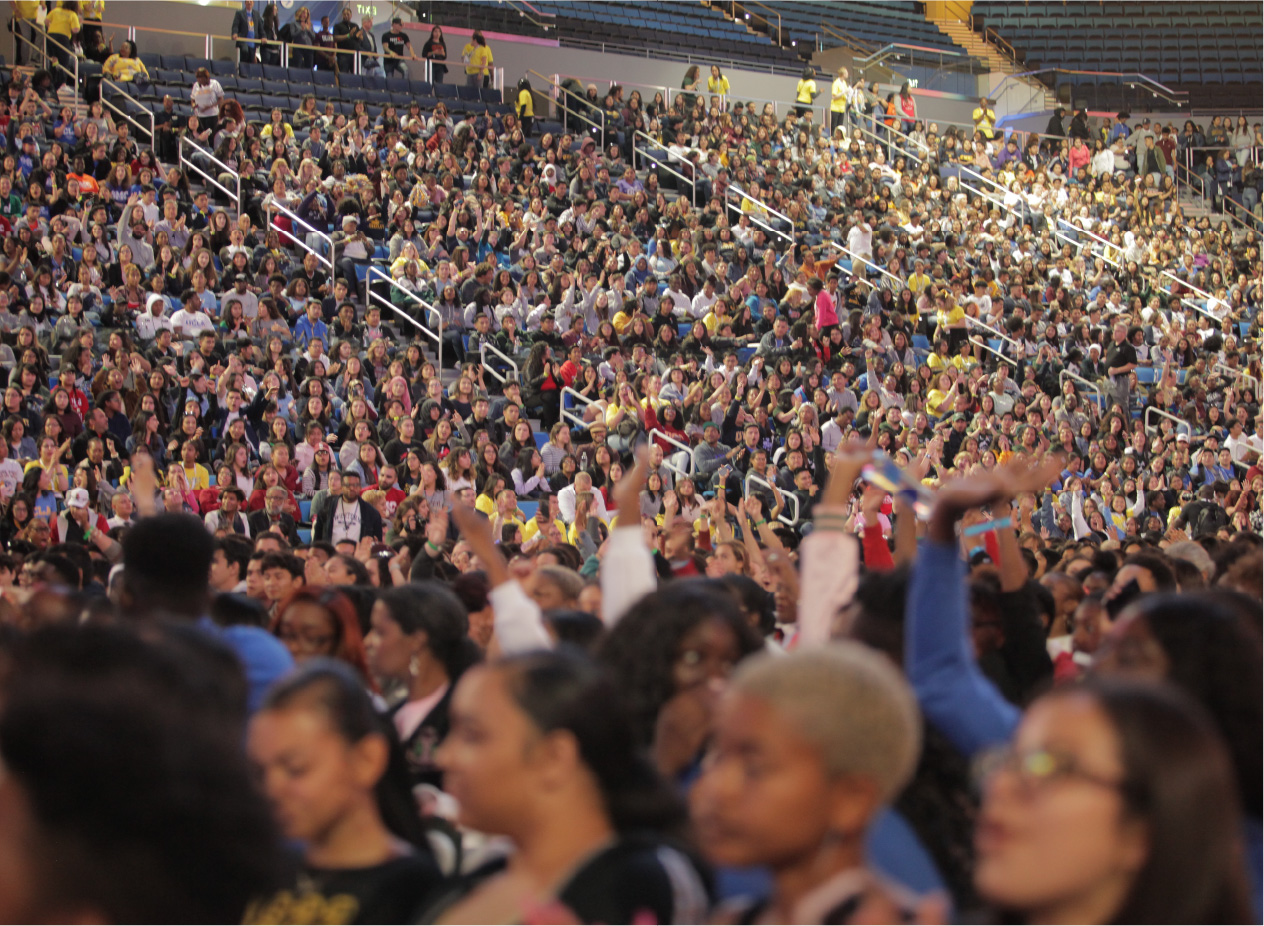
x,y
643,647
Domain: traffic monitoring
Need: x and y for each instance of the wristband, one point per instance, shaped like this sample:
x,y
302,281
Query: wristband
x,y
759,523
432,547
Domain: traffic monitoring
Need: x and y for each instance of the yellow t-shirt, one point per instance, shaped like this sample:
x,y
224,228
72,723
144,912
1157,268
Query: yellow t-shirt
x,y
839,91
532,527
55,472
917,282
936,400
984,119
480,58
26,9
806,90
720,86
124,69
62,21
198,478
621,321
526,105
952,318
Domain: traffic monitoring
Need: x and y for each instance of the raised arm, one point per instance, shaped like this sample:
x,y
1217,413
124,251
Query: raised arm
x,y
519,621
953,692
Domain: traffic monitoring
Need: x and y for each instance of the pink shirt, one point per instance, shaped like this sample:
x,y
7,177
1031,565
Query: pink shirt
x,y
826,313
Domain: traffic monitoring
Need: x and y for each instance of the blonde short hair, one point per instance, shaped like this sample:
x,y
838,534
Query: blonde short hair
x,y
849,702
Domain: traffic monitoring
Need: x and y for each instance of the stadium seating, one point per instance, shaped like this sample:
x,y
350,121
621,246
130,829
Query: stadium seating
x,y
873,23
1187,46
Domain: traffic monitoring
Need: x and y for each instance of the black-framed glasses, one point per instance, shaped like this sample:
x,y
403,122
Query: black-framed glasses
x,y
1037,769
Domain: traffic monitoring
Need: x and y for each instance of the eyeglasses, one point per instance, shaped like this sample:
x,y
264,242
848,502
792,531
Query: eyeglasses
x,y
1037,770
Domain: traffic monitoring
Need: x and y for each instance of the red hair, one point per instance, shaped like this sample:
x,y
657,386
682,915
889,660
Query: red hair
x,y
350,642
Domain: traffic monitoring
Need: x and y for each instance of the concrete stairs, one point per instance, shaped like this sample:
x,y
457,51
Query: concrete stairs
x,y
1000,64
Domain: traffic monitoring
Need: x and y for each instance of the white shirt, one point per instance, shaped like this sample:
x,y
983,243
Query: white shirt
x,y
189,324
10,477
702,304
346,522
566,505
860,240
148,326
206,99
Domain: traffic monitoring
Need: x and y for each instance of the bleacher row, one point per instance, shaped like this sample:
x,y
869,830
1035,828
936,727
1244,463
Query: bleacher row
x,y
673,30
873,23
259,88
1182,43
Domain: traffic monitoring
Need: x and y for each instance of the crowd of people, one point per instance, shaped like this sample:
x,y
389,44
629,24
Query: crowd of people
x,y
856,522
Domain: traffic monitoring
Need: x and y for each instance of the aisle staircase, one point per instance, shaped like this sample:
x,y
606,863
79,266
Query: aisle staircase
x,y
952,19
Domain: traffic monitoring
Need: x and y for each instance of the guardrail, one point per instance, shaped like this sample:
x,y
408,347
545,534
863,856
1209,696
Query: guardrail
x,y
565,413
687,472
191,163
436,335
486,348
1239,374
559,94
754,217
302,243
854,257
1093,387
759,480
983,345
995,332
122,112
664,165
59,60
1180,422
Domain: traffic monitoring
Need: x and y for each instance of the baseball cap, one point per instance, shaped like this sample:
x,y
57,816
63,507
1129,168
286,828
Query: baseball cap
x,y
77,498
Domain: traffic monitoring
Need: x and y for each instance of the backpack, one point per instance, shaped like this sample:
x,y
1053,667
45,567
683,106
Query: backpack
x,y
1209,519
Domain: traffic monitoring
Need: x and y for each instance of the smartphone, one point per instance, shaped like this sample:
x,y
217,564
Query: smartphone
x,y
883,472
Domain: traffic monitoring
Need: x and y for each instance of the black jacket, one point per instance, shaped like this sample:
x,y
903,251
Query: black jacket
x,y
370,521
241,25
260,522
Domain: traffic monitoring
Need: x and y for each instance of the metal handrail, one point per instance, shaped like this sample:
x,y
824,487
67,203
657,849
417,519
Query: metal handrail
x,y
1180,422
566,413
868,263
850,41
435,335
882,53
759,480
40,49
559,90
664,165
781,35
769,210
329,242
1077,378
1172,96
995,332
531,16
484,348
130,117
48,39
687,472
992,350
1239,374
192,164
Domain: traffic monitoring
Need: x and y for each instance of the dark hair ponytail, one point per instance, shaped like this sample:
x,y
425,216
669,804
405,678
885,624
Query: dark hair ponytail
x,y
434,608
334,687
563,691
